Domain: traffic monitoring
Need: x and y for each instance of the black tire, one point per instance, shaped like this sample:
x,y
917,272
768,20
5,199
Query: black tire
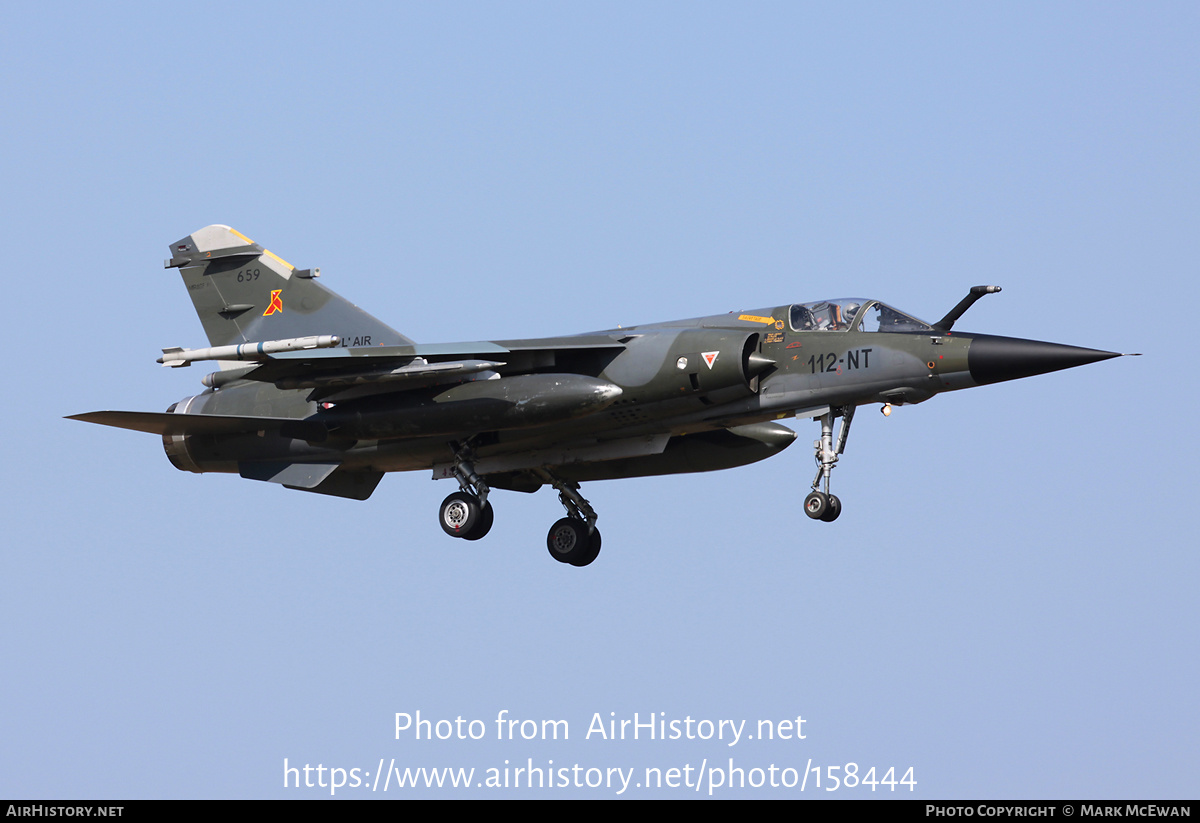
x,y
835,509
815,505
568,540
459,514
593,550
481,528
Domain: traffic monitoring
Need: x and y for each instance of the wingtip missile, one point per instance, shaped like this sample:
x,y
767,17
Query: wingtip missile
x,y
176,357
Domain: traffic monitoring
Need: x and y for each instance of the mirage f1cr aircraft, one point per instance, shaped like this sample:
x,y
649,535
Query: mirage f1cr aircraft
x,y
315,394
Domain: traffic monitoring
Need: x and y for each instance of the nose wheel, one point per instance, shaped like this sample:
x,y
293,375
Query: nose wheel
x,y
820,504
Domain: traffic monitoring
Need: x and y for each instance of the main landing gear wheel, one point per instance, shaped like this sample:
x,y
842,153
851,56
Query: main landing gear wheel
x,y
574,539
460,514
569,542
467,513
481,528
593,550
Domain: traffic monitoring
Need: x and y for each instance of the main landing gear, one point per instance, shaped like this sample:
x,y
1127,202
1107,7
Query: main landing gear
x,y
467,513
575,538
820,504
462,515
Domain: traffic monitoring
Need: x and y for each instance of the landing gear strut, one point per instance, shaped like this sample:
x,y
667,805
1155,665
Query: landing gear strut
x,y
574,539
820,504
467,513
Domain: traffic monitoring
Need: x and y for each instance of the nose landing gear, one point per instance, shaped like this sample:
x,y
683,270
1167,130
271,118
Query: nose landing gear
x,y
820,504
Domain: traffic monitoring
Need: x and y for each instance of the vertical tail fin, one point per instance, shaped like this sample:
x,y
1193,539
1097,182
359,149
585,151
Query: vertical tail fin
x,y
245,294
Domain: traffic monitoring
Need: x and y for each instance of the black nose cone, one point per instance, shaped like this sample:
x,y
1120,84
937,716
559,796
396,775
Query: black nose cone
x,y
994,359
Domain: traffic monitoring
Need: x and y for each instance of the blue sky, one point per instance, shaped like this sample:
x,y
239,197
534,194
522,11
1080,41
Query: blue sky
x,y
1007,604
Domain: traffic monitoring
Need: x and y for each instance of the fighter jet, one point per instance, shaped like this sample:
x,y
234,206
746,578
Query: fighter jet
x,y
315,394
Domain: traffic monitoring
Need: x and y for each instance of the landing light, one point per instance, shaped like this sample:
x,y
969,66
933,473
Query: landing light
x,y
886,411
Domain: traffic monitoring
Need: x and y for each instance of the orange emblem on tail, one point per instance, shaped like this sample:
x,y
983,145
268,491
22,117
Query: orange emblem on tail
x,y
276,302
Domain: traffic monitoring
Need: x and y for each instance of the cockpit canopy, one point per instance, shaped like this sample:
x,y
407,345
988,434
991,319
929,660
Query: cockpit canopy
x,y
846,313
